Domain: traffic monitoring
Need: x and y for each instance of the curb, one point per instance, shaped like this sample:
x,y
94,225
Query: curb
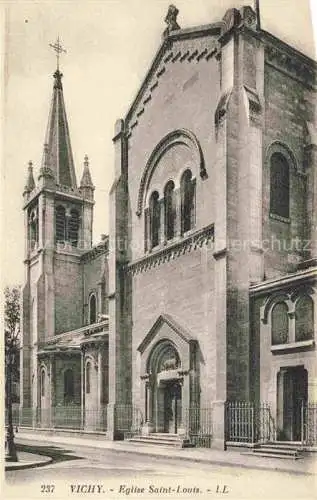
x,y
211,461
30,465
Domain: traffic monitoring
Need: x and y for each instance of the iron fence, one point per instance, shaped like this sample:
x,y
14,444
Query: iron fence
x,y
310,424
247,422
198,426
61,417
129,420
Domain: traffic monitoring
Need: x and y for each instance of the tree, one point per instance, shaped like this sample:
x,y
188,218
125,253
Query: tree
x,y
12,349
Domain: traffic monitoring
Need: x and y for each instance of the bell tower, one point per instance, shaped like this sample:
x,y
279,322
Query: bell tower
x,y
58,230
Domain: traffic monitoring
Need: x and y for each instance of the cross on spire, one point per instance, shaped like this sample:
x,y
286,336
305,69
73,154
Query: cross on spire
x,y
58,48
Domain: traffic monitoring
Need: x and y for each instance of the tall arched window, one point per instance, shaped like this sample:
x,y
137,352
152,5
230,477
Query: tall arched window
x,y
155,219
280,323
169,210
188,201
69,388
73,227
304,322
92,309
60,224
88,377
279,185
33,229
42,382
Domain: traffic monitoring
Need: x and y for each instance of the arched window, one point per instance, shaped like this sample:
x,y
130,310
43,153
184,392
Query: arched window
x,y
33,229
188,195
42,382
88,377
304,322
280,323
69,389
60,224
169,210
279,185
155,219
92,309
73,227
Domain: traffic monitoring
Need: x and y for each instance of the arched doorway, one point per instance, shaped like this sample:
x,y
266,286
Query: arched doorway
x,y
292,395
164,394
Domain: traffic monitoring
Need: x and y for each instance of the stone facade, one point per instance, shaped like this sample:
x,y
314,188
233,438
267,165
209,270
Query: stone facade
x,y
209,272
224,101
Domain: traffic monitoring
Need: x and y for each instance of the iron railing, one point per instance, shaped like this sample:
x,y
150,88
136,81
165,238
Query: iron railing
x,y
128,420
198,426
247,422
309,427
61,417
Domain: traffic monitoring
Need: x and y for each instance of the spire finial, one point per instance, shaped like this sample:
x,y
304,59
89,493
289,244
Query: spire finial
x,y
30,184
59,49
86,161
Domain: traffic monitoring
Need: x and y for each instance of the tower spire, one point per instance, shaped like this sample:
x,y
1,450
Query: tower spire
x,y
58,154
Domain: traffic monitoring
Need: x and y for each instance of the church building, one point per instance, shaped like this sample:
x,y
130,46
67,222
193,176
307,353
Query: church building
x,y
194,321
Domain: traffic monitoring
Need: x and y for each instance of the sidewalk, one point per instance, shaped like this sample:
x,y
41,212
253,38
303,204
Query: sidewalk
x,y
27,461
306,465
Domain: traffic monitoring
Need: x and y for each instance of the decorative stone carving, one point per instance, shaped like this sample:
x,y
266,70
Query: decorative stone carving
x,y
248,17
170,364
171,21
191,243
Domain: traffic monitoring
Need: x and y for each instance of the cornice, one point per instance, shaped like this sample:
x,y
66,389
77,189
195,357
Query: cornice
x,y
284,281
172,251
292,63
102,248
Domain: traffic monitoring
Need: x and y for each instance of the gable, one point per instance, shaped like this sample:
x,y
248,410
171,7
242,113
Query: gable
x,y
179,58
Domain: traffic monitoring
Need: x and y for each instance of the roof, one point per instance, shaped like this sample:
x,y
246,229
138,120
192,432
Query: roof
x,y
74,340
58,154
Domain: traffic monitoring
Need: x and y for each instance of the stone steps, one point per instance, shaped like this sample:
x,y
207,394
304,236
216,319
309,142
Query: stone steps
x,y
162,439
278,450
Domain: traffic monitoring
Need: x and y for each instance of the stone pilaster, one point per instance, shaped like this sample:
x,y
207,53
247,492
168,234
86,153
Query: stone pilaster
x,y
120,363
311,171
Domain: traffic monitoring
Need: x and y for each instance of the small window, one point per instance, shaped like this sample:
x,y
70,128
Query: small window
x,y
169,210
69,389
280,324
88,377
73,227
92,309
42,382
60,224
155,219
279,186
304,322
188,201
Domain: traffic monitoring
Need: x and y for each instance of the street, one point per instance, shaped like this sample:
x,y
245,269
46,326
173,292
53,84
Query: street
x,y
87,471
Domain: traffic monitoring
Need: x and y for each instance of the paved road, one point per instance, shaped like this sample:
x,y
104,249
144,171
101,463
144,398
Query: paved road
x,y
87,472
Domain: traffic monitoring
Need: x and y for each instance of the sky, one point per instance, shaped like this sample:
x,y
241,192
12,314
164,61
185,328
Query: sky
x,y
110,45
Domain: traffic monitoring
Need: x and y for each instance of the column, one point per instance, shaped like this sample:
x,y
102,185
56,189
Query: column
x,y
99,389
52,390
178,214
311,162
82,388
147,427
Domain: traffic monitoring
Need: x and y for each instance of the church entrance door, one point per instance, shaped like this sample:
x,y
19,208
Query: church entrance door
x,y
295,389
172,407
